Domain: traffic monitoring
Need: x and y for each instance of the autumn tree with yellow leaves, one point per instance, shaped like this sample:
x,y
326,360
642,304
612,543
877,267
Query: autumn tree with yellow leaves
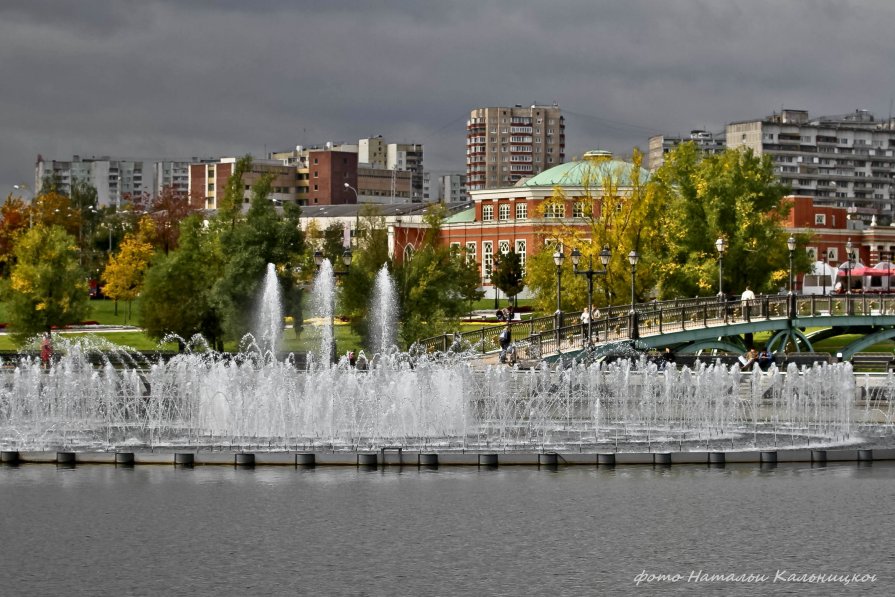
x,y
123,276
47,287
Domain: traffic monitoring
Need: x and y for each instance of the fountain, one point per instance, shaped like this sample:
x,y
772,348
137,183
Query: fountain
x,y
384,312
269,323
89,400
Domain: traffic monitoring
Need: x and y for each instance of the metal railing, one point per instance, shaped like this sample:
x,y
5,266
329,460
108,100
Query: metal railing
x,y
541,336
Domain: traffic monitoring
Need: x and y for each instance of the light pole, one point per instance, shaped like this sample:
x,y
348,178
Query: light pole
x,y
633,258
558,258
791,245
721,246
346,259
590,272
825,272
24,187
850,257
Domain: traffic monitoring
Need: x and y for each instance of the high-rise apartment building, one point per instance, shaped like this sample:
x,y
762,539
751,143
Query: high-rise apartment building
x,y
659,145
842,161
507,144
116,179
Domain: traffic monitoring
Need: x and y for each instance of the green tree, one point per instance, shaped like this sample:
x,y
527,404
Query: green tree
x,y
47,287
435,286
13,222
369,255
253,241
735,196
334,244
508,275
176,295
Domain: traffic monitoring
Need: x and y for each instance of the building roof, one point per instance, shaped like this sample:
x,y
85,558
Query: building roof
x,y
353,209
589,171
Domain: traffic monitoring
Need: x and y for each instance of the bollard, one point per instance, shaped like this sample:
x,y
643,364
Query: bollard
x,y
428,460
370,460
65,458
662,458
306,460
717,458
244,460
9,457
819,456
185,459
548,459
489,460
769,457
606,459
124,458
865,455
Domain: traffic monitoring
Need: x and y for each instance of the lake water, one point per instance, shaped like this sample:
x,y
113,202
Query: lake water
x,y
151,530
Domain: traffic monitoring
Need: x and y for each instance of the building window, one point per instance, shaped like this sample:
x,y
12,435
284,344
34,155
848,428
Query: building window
x,y
211,186
555,210
503,246
521,211
578,209
503,212
487,213
820,219
487,259
470,252
520,251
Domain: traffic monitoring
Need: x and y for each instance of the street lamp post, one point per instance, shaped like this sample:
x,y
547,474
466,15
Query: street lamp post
x,y
633,258
24,187
590,272
791,245
346,259
721,246
825,272
849,255
558,258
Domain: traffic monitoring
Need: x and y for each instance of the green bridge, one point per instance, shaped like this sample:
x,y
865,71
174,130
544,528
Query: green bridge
x,y
693,326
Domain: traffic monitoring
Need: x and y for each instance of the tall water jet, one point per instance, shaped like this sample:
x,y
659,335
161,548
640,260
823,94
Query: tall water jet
x,y
323,305
269,318
383,312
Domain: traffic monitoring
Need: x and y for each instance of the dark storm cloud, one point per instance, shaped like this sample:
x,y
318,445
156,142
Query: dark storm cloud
x,y
181,79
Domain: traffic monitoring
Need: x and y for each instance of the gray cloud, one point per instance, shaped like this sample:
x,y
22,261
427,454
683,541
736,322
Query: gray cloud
x,y
166,78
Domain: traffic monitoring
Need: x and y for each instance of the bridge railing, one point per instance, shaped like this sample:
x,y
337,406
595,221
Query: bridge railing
x,y
541,335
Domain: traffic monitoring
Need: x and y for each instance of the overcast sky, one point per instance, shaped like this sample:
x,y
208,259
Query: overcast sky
x,y
167,78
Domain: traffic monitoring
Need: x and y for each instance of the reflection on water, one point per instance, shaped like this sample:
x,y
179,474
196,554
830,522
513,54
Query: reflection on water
x,y
452,531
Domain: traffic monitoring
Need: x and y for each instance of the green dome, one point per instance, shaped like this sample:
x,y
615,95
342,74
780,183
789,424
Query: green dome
x,y
592,169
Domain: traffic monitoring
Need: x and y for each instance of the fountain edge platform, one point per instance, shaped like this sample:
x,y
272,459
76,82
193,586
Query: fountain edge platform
x,y
392,457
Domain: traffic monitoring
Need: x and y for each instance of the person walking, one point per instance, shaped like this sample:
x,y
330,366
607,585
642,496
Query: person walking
x,y
46,350
504,339
585,321
747,299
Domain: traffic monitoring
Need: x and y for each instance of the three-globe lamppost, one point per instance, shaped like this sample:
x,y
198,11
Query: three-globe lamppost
x,y
791,245
590,272
633,258
558,258
721,246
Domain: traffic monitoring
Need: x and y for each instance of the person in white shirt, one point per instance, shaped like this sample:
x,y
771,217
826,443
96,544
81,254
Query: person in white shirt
x,y
747,299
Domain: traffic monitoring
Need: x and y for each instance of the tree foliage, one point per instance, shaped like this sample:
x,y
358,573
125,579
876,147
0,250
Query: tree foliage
x,y
47,286
13,222
507,274
735,196
125,271
369,255
176,296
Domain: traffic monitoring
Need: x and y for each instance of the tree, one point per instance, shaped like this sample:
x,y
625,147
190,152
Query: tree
x,y
435,286
735,196
507,274
13,222
125,271
370,254
613,209
248,245
168,209
47,287
176,295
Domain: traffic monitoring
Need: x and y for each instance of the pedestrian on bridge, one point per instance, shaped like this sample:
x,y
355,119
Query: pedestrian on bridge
x,y
747,300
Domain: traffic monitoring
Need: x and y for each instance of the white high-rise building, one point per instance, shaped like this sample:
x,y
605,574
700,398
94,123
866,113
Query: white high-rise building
x,y
843,161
